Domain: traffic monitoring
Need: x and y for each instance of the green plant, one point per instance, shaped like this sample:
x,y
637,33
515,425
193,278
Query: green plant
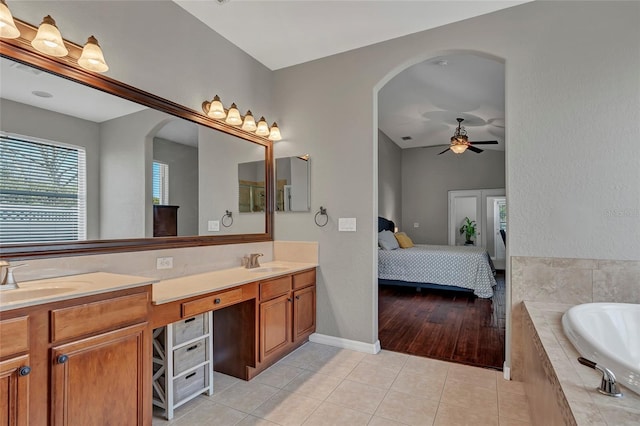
x,y
468,228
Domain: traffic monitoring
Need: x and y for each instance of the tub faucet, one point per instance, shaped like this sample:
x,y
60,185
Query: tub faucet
x,y
608,386
252,260
8,280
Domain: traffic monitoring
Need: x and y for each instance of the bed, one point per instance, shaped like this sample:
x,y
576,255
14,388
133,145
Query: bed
x,y
460,268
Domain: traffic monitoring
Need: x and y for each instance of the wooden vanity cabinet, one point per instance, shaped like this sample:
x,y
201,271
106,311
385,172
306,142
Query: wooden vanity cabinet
x,y
14,371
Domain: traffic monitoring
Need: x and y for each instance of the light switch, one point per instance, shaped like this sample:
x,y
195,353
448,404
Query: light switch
x,y
416,225
213,225
347,224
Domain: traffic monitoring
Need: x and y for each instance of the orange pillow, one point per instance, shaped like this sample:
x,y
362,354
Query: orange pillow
x,y
404,240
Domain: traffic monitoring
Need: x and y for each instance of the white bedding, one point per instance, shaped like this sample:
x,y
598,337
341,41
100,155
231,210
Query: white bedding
x,y
461,266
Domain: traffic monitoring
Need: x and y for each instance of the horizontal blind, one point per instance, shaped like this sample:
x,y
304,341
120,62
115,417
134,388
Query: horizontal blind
x,y
42,191
160,183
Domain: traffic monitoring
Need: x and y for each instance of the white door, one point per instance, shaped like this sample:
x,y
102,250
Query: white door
x,y
462,205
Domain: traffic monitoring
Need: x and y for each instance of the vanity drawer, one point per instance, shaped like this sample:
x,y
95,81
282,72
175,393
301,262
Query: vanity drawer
x,y
77,321
189,356
190,383
211,303
14,336
188,329
304,279
272,288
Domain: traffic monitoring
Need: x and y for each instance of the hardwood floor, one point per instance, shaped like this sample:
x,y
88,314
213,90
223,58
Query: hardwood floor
x,y
445,325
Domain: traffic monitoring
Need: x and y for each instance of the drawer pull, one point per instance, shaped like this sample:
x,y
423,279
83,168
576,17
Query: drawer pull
x,y
190,320
188,376
62,359
24,371
190,348
217,301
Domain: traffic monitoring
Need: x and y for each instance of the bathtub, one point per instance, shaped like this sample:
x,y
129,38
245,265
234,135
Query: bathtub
x,y
609,334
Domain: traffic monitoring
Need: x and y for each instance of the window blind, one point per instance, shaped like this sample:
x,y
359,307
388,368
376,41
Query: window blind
x,y
160,179
42,191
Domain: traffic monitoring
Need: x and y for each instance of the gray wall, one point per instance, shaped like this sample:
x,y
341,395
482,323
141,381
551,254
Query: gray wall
x,y
183,181
390,180
428,177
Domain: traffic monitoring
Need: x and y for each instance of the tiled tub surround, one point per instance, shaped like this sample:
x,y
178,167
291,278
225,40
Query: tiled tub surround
x,y
560,390
572,281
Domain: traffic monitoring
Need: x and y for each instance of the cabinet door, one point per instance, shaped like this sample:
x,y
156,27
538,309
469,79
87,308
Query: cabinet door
x,y
275,325
14,391
100,380
304,312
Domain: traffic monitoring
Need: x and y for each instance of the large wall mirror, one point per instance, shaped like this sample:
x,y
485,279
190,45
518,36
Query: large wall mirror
x,y
91,165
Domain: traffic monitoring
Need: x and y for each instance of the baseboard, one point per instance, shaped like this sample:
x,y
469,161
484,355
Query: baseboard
x,y
506,371
338,342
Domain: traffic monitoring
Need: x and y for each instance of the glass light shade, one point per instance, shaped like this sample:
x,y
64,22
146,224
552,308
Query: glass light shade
x,y
263,127
216,110
8,27
459,149
48,39
233,116
92,58
249,123
274,133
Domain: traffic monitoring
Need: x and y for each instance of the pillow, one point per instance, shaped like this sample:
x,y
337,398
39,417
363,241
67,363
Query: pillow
x,y
387,240
403,240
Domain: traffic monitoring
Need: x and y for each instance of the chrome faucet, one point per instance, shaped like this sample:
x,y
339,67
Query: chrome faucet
x,y
608,385
251,261
8,280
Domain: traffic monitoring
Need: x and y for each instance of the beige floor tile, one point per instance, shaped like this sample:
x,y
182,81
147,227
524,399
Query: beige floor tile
x,y
245,396
420,384
287,408
255,421
357,396
473,375
332,414
421,365
509,385
407,409
373,375
312,384
513,406
211,413
512,422
470,397
222,382
339,364
381,421
449,415
278,375
386,359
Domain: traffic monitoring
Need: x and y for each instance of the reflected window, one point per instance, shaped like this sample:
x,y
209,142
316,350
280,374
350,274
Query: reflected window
x,y
42,191
160,183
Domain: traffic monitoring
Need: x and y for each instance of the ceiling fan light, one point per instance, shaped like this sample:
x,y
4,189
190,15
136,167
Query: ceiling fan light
x,y
92,58
263,127
233,116
249,123
8,27
459,149
48,39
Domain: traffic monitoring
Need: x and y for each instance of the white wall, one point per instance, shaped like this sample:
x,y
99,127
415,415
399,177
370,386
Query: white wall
x,y
572,114
390,196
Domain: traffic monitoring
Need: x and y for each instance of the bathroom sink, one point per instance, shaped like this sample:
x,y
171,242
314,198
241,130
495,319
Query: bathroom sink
x,y
8,296
270,269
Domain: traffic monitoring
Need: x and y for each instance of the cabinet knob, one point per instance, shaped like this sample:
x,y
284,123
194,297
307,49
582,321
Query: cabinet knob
x,y
62,359
217,301
24,371
289,299
298,297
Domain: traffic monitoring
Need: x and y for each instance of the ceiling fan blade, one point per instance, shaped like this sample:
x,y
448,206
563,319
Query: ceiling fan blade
x,y
485,143
474,149
435,146
443,151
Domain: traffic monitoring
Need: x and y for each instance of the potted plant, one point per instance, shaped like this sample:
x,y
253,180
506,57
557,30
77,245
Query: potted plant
x,y
468,228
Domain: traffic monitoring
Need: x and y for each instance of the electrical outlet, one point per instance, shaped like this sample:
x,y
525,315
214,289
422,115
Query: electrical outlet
x,y
213,225
164,263
347,224
416,225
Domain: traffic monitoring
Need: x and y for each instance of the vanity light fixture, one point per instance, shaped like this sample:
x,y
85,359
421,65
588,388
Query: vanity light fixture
x,y
48,40
214,109
8,27
263,127
274,132
92,58
233,116
249,123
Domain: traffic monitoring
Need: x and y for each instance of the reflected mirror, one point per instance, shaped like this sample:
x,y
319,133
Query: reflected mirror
x,y
293,191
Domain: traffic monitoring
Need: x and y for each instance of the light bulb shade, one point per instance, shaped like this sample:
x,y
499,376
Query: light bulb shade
x,y
249,123
92,58
233,116
48,40
214,109
459,149
274,133
8,27
263,127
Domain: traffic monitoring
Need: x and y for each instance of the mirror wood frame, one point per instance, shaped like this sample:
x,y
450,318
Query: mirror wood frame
x,y
20,50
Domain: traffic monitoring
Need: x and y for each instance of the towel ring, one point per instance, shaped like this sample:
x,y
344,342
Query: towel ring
x,y
322,212
229,222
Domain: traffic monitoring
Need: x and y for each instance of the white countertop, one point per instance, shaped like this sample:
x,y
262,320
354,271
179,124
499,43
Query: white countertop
x,y
48,290
194,285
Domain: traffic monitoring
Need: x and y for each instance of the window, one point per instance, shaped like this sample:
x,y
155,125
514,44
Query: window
x,y
42,191
160,183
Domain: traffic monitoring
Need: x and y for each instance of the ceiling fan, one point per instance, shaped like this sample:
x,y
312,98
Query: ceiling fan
x,y
460,142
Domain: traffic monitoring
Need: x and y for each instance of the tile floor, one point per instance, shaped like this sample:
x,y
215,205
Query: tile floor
x,y
323,385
